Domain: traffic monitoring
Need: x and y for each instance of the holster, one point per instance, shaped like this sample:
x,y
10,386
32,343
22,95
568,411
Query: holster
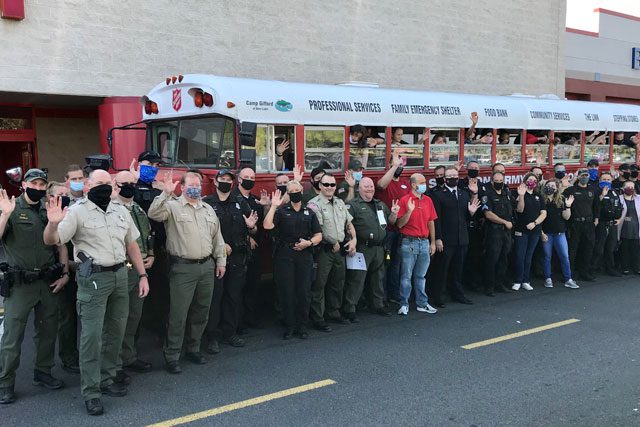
x,y
7,279
86,265
54,272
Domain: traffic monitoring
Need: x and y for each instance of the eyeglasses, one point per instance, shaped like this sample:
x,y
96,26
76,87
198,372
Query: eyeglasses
x,y
328,184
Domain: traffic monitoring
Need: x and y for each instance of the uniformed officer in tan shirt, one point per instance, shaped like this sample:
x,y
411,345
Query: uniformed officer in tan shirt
x,y
102,233
194,240
335,220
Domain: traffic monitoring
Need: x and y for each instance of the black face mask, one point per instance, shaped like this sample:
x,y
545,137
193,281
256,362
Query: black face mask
x,y
634,174
127,190
315,184
626,174
560,174
398,172
65,200
100,195
35,195
440,181
295,197
473,173
224,187
247,184
282,189
498,185
451,182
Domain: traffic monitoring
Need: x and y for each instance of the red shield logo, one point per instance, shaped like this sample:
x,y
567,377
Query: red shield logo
x,y
177,99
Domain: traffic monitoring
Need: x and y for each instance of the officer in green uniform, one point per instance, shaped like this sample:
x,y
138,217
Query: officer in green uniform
x,y
348,189
334,219
103,234
30,280
125,188
194,241
370,219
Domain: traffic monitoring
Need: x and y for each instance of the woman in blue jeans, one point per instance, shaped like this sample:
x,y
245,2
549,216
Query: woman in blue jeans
x,y
553,233
530,213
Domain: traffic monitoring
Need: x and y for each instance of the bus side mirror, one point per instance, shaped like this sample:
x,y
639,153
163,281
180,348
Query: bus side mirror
x,y
99,161
14,174
248,134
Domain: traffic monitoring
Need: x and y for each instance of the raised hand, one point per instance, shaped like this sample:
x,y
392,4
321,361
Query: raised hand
x,y
411,205
251,220
55,213
282,147
473,185
169,184
264,198
134,168
276,198
473,206
569,201
7,204
298,173
605,191
395,206
397,161
522,189
474,118
348,177
459,165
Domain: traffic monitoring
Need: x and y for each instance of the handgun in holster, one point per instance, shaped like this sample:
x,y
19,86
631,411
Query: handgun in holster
x,y
86,265
7,278
54,272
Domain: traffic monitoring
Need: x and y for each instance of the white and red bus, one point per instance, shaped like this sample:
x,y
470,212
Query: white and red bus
x,y
210,122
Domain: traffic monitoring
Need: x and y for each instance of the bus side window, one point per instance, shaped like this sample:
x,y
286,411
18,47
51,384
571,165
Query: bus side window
x,y
624,147
275,148
508,148
324,143
443,146
478,148
566,147
537,147
409,144
370,148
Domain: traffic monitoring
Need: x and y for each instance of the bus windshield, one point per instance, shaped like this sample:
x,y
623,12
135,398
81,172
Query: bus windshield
x,y
199,142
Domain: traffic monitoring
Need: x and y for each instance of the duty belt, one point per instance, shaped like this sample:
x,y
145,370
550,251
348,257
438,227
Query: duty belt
x,y
180,260
111,268
372,243
582,219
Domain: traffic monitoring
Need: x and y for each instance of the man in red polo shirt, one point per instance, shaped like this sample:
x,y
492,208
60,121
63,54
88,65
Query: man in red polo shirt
x,y
391,186
416,223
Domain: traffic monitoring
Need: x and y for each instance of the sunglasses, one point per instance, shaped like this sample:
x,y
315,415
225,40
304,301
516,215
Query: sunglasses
x,y
328,184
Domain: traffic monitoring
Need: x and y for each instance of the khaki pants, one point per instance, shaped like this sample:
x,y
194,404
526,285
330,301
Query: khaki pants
x,y
25,297
103,307
331,270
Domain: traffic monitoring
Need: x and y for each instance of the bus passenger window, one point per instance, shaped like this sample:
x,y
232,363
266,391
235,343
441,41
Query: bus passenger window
x,y
508,148
624,147
597,146
566,147
408,143
478,149
275,148
323,143
537,149
443,147
368,145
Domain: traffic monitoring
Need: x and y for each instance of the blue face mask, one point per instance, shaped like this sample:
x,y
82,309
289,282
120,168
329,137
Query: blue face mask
x,y
593,174
193,192
148,173
76,186
605,184
422,188
357,176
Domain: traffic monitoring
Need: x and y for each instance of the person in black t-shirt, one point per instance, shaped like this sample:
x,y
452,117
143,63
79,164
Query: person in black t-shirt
x,y
531,213
553,233
629,229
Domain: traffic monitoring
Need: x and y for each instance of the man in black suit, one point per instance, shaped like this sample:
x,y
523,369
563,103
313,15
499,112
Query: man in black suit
x,y
455,207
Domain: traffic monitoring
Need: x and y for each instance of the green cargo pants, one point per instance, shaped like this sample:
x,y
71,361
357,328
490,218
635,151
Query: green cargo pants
x,y
373,277
129,353
191,290
25,297
329,283
103,306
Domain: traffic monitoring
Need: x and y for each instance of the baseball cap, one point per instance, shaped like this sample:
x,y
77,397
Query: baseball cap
x,y
150,156
624,167
226,172
355,164
33,174
582,172
593,162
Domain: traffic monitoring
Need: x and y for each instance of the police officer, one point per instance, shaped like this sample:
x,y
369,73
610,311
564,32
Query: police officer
x,y
592,169
103,234
348,189
606,230
370,219
624,173
472,277
334,219
194,240
237,221
124,190
297,232
585,211
29,282
498,211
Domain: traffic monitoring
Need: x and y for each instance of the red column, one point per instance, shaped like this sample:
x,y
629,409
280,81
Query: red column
x,y
127,144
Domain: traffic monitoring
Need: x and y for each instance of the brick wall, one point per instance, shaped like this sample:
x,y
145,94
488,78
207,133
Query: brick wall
x,y
109,48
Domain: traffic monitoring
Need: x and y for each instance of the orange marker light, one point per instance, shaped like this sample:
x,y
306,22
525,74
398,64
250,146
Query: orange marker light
x,y
180,77
207,98
230,104
173,79
197,99
168,80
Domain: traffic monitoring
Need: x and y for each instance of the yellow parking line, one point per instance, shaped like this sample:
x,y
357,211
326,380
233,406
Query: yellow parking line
x,y
243,404
519,334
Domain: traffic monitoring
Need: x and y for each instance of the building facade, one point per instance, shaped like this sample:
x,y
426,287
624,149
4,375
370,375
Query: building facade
x,y
71,69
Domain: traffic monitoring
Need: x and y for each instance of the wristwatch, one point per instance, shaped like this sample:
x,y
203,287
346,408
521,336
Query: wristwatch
x,y
140,276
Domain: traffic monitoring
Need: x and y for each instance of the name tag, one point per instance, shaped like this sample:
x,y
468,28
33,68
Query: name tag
x,y
237,205
381,219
